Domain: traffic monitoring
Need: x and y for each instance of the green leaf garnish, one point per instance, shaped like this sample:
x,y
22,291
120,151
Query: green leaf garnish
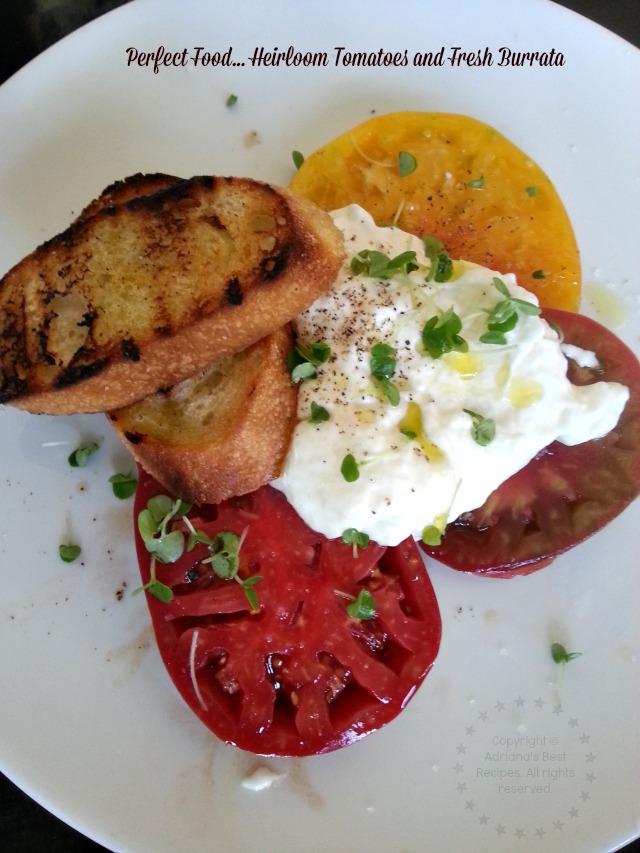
x,y
369,262
305,358
440,264
538,274
167,547
123,485
298,158
356,538
231,100
318,414
443,269
302,371
407,163
383,361
378,265
224,558
223,554
363,607
250,593
483,429
349,468
162,505
531,191
505,314
383,367
432,246
561,655
316,353
391,392
477,183
80,456
69,552
497,338
158,589
440,334
432,535
164,546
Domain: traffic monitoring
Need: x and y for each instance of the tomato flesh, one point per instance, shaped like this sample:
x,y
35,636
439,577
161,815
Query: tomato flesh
x,y
565,494
301,676
472,188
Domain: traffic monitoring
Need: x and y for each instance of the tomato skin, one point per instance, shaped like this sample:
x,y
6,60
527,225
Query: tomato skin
x,y
565,494
262,679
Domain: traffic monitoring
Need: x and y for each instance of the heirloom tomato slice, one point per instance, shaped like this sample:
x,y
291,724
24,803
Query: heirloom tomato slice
x,y
460,181
564,494
296,675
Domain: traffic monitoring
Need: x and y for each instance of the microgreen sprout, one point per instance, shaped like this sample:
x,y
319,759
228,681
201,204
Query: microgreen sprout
x,y
158,589
383,367
538,274
532,192
123,485
81,455
355,538
477,183
440,264
349,468
298,158
231,100
505,314
303,361
223,554
224,558
407,163
378,265
318,414
363,607
483,430
441,334
167,547
561,655
69,552
163,545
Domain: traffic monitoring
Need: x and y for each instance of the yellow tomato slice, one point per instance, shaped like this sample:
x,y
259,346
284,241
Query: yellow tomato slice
x,y
472,188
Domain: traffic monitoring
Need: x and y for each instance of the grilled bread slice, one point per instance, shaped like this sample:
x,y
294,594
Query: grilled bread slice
x,y
222,433
143,294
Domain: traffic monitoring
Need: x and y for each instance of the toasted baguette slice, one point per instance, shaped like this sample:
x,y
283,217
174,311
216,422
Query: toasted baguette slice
x,y
144,294
222,433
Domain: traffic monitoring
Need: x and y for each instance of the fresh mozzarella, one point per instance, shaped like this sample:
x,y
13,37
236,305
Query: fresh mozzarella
x,y
406,484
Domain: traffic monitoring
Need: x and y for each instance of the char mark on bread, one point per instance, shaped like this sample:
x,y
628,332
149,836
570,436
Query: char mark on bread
x,y
234,292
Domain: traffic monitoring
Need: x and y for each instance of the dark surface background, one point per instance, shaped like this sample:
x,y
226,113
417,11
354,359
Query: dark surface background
x,y
27,27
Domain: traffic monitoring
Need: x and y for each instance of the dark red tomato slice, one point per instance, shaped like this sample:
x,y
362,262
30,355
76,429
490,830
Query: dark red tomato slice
x,y
564,494
300,676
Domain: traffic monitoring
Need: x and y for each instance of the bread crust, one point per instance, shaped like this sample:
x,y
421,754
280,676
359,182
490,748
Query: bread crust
x,y
133,186
222,433
157,287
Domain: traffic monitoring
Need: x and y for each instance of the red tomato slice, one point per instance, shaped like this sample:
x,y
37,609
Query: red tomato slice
x,y
301,676
565,494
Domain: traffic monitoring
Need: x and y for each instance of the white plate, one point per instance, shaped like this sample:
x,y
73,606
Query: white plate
x,y
90,724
